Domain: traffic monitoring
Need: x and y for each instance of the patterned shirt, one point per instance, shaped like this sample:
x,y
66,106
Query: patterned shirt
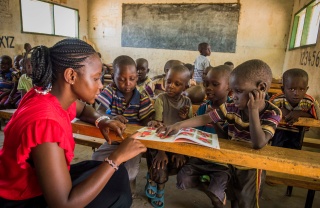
x,y
145,88
307,104
139,108
200,64
238,126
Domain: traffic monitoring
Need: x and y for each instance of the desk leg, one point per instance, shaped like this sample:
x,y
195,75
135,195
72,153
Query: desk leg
x,y
302,130
309,200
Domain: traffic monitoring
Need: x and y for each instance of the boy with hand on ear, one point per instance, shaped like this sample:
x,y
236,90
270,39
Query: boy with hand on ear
x,y
294,103
250,119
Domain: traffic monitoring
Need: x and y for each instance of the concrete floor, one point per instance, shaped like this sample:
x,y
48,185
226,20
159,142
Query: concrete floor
x,y
272,197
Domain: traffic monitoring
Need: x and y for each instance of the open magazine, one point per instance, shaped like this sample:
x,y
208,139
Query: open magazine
x,y
188,135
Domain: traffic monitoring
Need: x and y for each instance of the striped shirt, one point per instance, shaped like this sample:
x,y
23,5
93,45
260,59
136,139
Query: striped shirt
x,y
139,108
307,104
145,88
238,127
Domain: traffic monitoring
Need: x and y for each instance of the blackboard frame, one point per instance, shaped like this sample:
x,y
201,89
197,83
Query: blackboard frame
x,y
180,26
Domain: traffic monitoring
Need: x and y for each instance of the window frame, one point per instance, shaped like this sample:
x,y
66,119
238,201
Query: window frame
x,y
52,19
305,28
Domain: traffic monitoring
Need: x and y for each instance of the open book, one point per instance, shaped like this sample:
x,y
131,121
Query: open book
x,y
188,135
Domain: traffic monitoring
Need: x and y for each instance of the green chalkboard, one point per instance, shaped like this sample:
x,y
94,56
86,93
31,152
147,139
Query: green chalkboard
x,y
180,26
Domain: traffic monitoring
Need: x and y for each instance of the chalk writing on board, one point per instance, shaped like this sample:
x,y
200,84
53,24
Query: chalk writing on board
x,y
6,41
310,58
180,26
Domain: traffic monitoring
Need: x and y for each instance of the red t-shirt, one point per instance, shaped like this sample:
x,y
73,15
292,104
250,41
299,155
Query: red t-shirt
x,y
38,119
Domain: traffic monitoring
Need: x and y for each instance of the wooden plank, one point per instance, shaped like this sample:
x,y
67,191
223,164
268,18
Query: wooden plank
x,y
308,122
88,140
311,142
276,85
274,91
7,113
292,180
238,153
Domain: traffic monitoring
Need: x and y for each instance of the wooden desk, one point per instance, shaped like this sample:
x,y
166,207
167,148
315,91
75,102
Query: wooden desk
x,y
295,162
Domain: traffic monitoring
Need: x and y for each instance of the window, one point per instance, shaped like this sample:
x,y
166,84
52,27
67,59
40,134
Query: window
x,y
47,18
306,25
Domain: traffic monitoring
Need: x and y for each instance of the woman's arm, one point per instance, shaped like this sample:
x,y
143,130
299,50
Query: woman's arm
x,y
54,176
90,115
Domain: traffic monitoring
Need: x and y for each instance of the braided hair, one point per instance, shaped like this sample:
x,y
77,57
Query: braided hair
x,y
47,63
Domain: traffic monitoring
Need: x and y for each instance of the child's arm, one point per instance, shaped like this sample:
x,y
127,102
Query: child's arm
x,y
293,116
255,104
23,92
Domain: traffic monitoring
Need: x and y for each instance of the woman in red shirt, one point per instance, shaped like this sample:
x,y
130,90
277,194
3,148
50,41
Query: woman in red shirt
x,y
35,168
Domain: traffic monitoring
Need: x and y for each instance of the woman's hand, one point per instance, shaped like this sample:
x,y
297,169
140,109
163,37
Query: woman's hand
x,y
120,118
160,160
128,149
114,125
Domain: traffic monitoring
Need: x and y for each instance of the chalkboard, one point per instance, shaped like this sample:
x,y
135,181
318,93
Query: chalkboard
x,y
180,26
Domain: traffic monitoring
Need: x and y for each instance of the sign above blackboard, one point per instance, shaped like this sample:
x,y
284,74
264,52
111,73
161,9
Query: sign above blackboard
x,y
180,26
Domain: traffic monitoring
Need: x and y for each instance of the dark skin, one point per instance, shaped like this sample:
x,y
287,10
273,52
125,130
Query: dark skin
x,y
125,78
176,83
57,188
295,88
249,98
143,70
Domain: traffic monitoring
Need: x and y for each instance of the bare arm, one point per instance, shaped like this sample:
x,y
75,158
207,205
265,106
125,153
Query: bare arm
x,y
54,177
256,103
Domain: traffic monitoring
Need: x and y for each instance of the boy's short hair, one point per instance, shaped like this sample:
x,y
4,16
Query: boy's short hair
x,y
122,61
229,63
181,69
7,58
142,60
171,63
295,72
221,68
255,71
202,46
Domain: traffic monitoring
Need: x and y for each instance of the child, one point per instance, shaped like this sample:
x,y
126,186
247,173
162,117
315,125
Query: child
x,y
25,81
143,79
192,82
123,102
230,64
170,107
16,62
9,78
250,119
201,62
157,85
294,103
217,89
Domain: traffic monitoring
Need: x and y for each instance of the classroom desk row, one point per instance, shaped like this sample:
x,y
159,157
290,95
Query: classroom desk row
x,y
295,162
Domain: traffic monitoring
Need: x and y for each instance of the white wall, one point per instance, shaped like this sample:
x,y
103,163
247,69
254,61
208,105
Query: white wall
x,y
10,25
262,33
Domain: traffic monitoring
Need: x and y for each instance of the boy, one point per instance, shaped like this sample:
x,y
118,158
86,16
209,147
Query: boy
x,y
217,89
123,102
170,108
157,85
294,103
250,118
25,81
143,79
201,62
230,64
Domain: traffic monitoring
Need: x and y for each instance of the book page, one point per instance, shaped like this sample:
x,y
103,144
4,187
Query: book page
x,y
149,133
195,136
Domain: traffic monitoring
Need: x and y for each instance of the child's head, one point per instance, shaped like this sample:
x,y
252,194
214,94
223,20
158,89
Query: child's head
x,y
125,74
177,80
191,69
171,63
248,76
217,84
28,67
230,64
5,63
205,72
71,65
16,61
196,94
295,85
142,69
27,47
204,49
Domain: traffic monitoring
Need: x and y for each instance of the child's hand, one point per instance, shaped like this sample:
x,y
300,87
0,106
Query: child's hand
x,y
180,160
292,117
120,118
169,130
184,111
256,100
161,160
155,124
